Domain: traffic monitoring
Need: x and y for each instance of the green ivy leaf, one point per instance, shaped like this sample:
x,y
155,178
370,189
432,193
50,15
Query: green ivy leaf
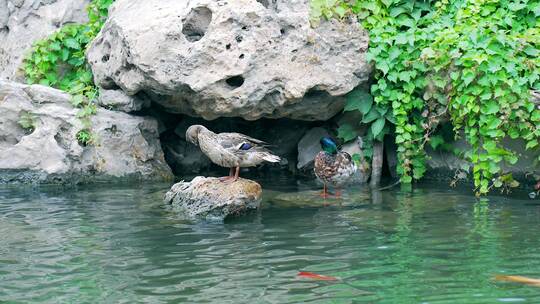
x,y
359,100
371,116
405,179
72,43
347,132
65,54
377,126
436,141
55,46
516,6
468,77
390,117
401,38
531,51
490,107
383,66
493,123
340,11
531,144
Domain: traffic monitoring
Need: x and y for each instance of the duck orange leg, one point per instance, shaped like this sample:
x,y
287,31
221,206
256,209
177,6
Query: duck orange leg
x,y
227,178
324,194
236,174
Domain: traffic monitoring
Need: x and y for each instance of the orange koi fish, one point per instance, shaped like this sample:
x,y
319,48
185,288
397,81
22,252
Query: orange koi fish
x,y
518,279
314,276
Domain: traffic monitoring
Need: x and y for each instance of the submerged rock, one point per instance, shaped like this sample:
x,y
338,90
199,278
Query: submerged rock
x,y
24,22
248,58
38,144
312,198
210,198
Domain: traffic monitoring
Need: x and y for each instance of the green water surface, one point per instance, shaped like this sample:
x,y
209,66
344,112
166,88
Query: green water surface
x,y
113,244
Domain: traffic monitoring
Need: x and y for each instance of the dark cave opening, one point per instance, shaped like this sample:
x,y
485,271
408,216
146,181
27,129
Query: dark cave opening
x,y
186,159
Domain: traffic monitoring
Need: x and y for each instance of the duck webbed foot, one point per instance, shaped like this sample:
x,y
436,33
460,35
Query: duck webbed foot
x,y
327,194
228,178
233,176
324,194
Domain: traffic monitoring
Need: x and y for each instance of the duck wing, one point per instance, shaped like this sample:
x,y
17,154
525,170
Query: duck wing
x,y
345,157
250,150
334,169
239,138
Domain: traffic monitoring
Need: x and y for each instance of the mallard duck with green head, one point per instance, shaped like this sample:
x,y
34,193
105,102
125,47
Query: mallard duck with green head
x,y
333,167
230,150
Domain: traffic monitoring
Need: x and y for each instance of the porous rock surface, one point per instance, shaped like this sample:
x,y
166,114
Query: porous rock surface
x,y
38,128
210,198
242,58
23,22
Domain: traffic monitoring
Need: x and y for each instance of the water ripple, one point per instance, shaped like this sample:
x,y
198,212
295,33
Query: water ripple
x,y
120,245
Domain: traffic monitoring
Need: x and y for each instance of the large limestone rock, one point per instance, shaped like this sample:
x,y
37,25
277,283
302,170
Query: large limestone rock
x,y
38,144
210,198
23,22
242,58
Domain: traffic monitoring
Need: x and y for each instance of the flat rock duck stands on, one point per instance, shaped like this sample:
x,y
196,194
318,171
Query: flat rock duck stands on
x,y
230,150
333,167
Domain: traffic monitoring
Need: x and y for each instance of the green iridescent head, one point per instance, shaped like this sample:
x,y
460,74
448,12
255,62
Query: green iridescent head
x,y
328,145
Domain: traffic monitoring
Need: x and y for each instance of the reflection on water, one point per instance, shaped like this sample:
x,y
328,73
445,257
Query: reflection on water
x,y
122,245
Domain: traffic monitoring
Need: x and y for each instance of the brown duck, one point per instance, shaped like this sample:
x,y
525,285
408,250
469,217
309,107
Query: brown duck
x,y
230,150
333,167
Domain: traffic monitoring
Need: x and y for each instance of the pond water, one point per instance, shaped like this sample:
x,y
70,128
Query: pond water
x,y
115,244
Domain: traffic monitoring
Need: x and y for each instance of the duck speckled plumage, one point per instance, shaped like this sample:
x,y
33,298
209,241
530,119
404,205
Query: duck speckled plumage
x,y
230,150
333,167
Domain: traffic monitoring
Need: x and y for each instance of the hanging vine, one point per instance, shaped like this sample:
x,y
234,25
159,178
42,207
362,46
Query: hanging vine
x,y
472,61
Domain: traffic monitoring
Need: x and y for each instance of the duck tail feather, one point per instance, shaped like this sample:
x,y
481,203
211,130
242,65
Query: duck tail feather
x,y
271,158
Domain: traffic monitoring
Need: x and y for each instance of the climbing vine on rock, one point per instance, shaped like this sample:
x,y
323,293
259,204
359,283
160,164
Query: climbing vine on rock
x,y
471,61
59,61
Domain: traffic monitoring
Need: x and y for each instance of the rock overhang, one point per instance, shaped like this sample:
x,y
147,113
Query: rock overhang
x,y
249,59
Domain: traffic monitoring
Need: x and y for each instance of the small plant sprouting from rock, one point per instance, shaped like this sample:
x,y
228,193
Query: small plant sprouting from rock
x,y
27,122
84,137
59,60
